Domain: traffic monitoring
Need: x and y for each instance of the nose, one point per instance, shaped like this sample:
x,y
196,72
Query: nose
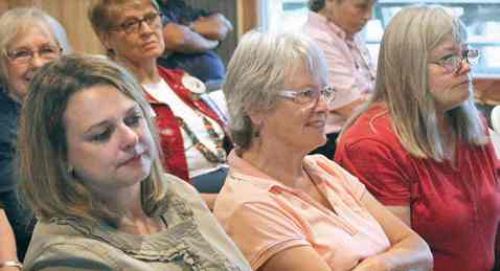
x,y
465,67
129,137
145,27
321,105
37,61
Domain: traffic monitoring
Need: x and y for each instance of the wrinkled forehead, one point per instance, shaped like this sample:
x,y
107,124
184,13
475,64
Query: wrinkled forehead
x,y
26,34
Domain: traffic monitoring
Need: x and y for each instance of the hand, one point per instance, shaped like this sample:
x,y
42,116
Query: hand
x,y
213,27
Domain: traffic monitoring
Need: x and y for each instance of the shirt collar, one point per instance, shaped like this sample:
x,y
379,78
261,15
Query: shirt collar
x,y
243,170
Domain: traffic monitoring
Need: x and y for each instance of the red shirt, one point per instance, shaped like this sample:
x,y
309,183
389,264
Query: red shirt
x,y
455,209
172,145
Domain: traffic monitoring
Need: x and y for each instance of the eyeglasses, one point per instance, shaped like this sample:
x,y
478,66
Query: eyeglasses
x,y
311,95
134,25
24,55
453,63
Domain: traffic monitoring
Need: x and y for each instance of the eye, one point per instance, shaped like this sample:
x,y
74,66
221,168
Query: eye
x,y
48,50
150,18
130,24
21,54
308,93
451,58
102,136
133,120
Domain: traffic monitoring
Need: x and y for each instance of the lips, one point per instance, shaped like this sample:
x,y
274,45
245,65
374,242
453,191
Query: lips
x,y
317,123
130,160
150,43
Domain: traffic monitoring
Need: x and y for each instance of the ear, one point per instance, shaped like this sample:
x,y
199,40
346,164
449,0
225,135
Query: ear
x,y
106,40
257,118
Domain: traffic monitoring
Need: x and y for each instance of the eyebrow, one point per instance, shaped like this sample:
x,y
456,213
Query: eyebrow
x,y
106,122
26,47
133,17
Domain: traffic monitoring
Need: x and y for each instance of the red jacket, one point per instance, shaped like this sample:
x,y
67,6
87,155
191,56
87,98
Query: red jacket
x,y
169,129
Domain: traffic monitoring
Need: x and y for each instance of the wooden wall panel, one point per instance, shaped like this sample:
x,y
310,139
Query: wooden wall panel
x,y
247,15
72,14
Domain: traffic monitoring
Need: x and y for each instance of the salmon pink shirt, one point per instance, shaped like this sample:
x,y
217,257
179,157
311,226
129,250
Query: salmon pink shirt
x,y
265,217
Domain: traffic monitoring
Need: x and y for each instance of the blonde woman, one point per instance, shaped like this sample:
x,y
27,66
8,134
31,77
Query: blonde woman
x,y
420,145
95,180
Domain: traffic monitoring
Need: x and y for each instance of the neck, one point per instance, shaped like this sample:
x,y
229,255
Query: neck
x,y
277,160
332,19
145,71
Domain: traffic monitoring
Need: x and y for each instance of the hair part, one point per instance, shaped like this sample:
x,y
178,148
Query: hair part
x,y
43,144
402,82
258,69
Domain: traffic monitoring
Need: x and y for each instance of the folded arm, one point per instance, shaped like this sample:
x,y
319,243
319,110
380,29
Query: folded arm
x,y
201,35
408,250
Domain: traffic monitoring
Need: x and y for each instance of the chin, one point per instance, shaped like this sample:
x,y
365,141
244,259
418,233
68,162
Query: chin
x,y
320,141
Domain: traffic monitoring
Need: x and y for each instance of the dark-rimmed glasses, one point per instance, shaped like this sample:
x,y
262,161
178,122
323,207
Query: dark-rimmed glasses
x,y
22,56
310,95
134,25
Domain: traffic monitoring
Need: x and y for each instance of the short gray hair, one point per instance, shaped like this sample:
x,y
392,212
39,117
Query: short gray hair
x,y
258,69
16,21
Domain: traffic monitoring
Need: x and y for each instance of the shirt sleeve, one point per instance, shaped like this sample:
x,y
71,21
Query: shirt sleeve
x,y
71,257
261,230
377,166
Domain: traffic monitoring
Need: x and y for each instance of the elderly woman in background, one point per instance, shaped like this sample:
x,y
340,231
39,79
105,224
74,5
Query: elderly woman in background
x,y
27,41
286,210
191,132
420,146
336,25
96,183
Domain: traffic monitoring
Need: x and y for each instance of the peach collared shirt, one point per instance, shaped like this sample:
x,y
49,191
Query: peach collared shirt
x,y
265,217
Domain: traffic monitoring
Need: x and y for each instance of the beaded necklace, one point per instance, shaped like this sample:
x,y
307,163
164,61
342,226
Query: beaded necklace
x,y
219,156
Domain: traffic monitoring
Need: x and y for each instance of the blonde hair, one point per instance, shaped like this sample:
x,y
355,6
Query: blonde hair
x,y
402,82
47,183
17,21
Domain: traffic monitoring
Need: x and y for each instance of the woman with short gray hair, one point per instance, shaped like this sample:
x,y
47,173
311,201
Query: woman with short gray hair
x,y
27,42
420,145
284,209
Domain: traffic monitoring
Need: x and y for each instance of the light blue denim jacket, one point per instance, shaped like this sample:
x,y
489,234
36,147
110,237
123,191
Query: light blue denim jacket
x,y
193,241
